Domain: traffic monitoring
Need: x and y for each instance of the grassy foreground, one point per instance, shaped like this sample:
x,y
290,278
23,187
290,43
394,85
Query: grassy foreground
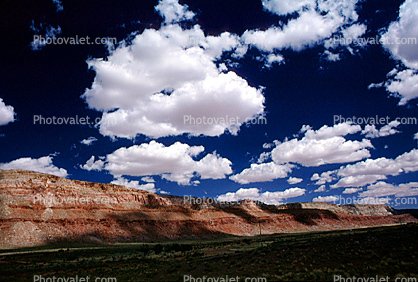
x,y
384,251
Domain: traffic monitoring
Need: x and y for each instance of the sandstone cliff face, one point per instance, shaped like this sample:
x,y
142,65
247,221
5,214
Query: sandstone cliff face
x,y
38,209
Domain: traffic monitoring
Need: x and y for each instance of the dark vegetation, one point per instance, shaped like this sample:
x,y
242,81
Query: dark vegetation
x,y
316,256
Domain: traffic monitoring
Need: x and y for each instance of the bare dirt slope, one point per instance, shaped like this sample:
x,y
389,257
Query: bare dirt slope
x,y
39,209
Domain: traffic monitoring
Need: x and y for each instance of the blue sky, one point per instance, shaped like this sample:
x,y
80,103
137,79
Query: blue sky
x,y
272,100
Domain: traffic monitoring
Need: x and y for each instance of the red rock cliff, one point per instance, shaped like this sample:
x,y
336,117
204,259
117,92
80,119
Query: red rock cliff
x,y
38,209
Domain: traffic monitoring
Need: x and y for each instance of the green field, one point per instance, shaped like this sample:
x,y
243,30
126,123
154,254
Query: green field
x,y
317,256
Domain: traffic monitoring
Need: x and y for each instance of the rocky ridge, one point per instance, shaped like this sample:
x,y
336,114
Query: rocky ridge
x,y
39,209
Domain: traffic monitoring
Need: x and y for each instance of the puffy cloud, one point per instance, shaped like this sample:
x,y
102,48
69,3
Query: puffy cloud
x,y
321,188
316,22
342,10
89,141
325,199
401,41
270,59
358,180
324,146
243,193
349,37
325,177
165,80
404,85
382,189
147,179
266,197
213,166
7,113
319,152
408,162
294,180
43,165
265,156
371,132
372,167
274,58
369,171
270,145
353,32
299,33
352,190
332,57
173,12
175,163
283,7
150,187
398,33
262,172
91,164
326,132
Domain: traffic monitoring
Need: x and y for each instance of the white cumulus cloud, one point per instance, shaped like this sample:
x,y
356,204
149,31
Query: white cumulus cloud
x,y
91,164
283,7
266,197
332,57
173,12
371,170
358,180
7,113
321,188
165,79
398,33
89,141
299,33
401,40
318,147
42,164
175,163
382,189
314,22
270,59
330,199
325,177
262,173
352,190
294,180
324,146
370,131
403,84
